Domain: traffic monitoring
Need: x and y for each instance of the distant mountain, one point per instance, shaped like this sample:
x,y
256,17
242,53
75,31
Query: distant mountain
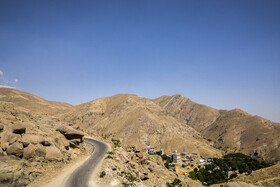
x,y
31,102
135,121
168,122
233,130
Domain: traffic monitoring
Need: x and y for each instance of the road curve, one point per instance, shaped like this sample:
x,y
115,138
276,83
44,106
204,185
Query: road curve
x,y
80,177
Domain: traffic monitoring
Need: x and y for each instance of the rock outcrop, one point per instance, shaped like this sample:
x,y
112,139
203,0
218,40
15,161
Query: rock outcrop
x,y
53,153
70,133
15,149
18,129
29,152
29,143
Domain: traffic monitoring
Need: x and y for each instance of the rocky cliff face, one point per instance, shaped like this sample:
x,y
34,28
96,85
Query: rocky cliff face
x,y
132,167
32,142
233,130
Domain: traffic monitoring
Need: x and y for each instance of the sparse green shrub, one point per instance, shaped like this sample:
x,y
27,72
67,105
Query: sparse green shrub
x,y
110,153
117,143
233,175
159,153
176,183
102,174
130,177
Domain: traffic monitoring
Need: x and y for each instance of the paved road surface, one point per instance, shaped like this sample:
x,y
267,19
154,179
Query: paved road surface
x,y
80,177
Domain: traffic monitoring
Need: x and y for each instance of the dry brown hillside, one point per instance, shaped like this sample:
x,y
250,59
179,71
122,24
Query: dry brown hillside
x,y
233,130
135,121
188,112
31,102
252,135
264,177
32,140
32,144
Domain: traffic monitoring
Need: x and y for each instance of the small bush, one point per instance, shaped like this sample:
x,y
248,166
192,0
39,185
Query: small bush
x,y
117,143
176,183
102,174
130,177
110,153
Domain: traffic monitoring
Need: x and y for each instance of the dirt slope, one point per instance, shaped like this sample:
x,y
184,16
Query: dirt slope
x,y
31,102
135,121
233,130
264,177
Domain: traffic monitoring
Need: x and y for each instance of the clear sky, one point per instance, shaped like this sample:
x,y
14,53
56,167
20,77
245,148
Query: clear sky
x,y
225,54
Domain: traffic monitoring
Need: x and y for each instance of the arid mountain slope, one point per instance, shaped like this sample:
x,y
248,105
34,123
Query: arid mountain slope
x,y
31,102
264,177
252,135
233,130
135,121
188,112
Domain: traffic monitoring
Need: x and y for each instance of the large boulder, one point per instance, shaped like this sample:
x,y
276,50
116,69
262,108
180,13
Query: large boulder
x,y
29,152
40,150
31,138
18,129
8,138
15,149
53,153
70,133
62,142
75,143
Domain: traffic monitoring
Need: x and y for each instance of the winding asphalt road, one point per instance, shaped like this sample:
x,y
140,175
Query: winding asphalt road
x,y
80,177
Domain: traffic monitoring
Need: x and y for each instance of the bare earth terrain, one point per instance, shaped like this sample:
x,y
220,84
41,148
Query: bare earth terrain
x,y
42,142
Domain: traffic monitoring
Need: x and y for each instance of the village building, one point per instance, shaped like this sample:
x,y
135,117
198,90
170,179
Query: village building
x,y
150,149
204,161
176,157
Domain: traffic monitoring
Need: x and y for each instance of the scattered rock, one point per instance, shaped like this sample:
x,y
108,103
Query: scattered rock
x,y
18,129
144,176
48,141
1,128
29,152
31,138
53,153
75,143
8,138
15,149
139,155
40,150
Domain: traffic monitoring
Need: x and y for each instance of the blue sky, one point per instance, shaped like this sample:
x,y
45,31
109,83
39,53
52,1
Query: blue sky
x,y
225,54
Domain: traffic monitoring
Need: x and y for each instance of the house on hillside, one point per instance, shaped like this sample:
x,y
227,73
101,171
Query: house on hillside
x,y
150,149
176,157
204,161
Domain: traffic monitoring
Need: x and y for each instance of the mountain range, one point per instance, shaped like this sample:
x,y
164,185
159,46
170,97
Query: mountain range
x,y
169,123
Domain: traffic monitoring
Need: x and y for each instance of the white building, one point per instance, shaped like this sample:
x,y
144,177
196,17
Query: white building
x,y
176,157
